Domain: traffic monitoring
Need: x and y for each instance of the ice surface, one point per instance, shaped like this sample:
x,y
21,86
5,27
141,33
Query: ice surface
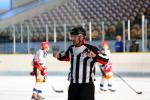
x,y
20,88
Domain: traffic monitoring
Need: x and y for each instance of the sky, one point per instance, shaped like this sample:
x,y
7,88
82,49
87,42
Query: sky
x,y
5,4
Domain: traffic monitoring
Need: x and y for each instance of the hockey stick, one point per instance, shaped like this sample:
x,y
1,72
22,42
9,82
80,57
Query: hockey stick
x,y
55,90
137,92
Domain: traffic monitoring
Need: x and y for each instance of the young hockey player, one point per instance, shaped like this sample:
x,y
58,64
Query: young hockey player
x,y
39,70
106,80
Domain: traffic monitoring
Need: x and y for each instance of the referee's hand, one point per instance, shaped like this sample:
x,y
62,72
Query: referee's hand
x,y
56,54
91,54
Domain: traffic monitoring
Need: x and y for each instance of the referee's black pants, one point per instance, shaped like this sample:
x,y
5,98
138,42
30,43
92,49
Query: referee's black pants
x,y
84,91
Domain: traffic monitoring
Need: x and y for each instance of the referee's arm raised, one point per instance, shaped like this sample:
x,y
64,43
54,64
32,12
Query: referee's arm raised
x,y
98,56
62,56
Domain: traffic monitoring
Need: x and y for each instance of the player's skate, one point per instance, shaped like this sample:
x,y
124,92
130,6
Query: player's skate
x,y
40,97
102,88
110,88
34,97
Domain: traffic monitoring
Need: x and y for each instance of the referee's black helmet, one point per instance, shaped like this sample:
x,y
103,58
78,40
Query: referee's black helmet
x,y
79,30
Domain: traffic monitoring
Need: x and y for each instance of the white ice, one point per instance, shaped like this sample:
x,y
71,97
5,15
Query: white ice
x,y
20,88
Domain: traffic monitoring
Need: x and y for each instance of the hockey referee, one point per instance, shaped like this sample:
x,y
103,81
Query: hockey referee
x,y
82,70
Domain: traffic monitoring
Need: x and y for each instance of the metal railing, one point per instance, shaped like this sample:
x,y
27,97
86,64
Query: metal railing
x,y
24,38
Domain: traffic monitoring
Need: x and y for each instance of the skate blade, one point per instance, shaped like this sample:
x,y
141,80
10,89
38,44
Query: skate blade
x,y
111,90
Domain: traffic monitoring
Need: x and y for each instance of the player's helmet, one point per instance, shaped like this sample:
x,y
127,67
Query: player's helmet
x,y
45,45
78,31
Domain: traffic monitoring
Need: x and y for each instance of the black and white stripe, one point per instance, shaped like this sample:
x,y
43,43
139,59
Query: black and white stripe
x,y
82,68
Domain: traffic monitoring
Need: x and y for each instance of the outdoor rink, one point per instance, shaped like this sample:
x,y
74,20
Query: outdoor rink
x,y
20,88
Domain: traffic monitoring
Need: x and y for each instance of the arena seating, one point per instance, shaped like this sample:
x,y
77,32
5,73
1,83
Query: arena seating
x,y
77,11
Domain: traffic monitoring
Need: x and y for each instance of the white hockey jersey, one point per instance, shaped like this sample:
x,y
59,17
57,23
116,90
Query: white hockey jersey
x,y
40,57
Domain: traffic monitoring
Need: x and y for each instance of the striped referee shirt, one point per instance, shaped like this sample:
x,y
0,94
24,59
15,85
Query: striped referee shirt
x,y
82,68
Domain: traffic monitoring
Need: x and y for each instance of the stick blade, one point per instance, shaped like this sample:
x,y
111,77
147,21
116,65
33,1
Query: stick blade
x,y
139,92
59,91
